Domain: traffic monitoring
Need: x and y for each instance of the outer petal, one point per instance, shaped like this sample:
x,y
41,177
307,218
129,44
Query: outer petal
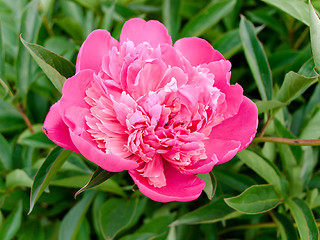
x,y
138,31
235,133
197,51
222,150
202,166
106,161
56,130
242,127
233,93
97,44
74,93
179,187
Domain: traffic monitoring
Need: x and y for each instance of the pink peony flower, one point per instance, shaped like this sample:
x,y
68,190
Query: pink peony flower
x,y
164,113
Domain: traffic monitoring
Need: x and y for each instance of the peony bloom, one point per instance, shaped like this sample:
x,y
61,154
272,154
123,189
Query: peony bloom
x,y
164,113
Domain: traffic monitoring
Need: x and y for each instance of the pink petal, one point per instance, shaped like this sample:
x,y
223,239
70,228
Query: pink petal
x,y
74,93
197,50
106,161
233,93
172,57
241,127
147,79
202,166
56,130
138,31
221,150
179,187
221,70
233,134
97,44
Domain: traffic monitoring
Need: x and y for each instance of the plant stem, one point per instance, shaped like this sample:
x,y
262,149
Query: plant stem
x,y
255,226
25,117
19,107
289,141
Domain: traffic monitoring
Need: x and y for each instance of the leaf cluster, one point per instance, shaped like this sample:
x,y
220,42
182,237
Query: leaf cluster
x,y
268,191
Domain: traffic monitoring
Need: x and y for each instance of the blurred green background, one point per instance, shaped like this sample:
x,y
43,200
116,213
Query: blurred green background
x,y
268,44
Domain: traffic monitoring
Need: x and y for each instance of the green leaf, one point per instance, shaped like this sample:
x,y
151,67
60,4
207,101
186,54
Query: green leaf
x,y
18,178
206,18
54,66
95,210
79,181
307,69
293,86
256,58
256,199
119,214
12,224
265,106
156,225
2,54
92,4
109,15
72,221
289,156
37,139
217,210
266,16
5,154
10,118
30,25
304,218
229,43
211,184
285,226
311,128
315,36
1,219
265,169
46,172
99,176
61,45
72,27
171,17
152,229
296,8
232,179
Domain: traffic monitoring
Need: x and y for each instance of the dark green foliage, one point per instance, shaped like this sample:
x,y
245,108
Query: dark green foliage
x,y
269,191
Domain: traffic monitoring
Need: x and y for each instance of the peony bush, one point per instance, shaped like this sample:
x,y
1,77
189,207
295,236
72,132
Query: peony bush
x,y
164,113
150,126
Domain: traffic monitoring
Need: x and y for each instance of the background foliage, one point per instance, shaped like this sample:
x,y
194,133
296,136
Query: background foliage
x,y
269,191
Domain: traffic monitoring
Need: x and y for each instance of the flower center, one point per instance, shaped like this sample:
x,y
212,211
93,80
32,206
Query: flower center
x,y
165,121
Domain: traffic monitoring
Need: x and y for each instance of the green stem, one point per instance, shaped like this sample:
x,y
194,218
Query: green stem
x,y
249,226
255,226
18,106
289,141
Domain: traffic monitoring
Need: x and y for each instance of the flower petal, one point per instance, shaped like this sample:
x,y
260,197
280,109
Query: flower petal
x,y
202,166
241,127
221,150
138,31
56,130
233,134
179,187
106,161
97,44
197,51
74,93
